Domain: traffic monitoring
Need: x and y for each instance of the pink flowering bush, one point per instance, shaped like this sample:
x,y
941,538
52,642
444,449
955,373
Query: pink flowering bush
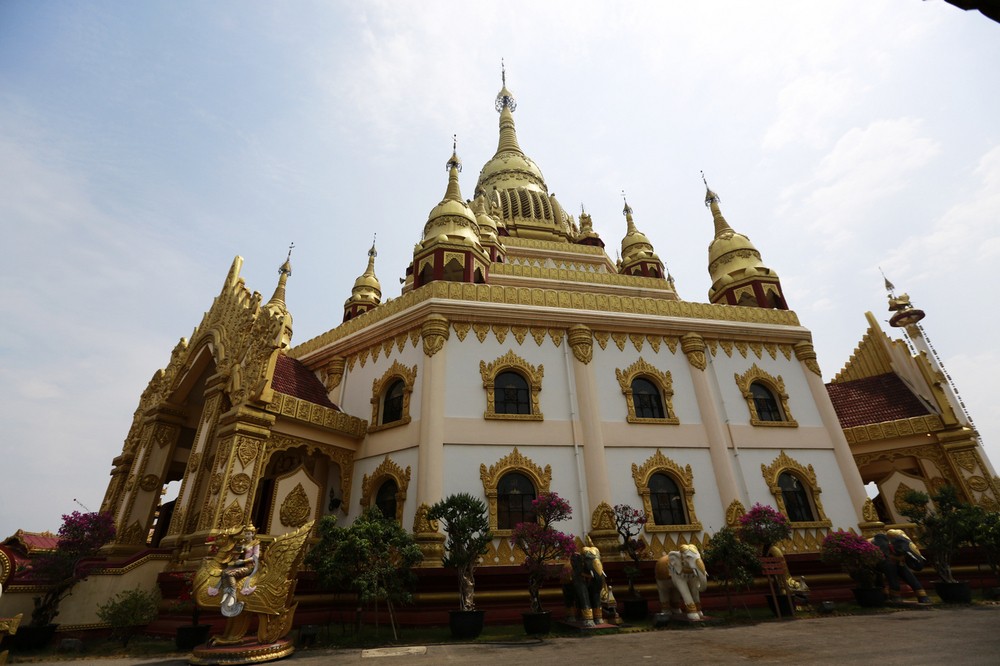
x,y
628,523
542,543
857,556
80,536
763,526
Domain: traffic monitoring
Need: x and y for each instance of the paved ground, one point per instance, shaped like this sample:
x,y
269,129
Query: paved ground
x,y
922,636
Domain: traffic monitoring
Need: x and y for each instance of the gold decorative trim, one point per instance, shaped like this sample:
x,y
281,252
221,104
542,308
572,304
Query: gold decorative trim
x,y
806,353
434,332
655,341
304,411
734,512
295,509
396,371
537,297
461,329
693,346
557,336
579,276
512,462
776,385
682,476
500,331
386,470
806,476
620,339
581,341
246,451
149,483
239,484
533,375
890,429
538,334
603,517
899,498
664,384
602,338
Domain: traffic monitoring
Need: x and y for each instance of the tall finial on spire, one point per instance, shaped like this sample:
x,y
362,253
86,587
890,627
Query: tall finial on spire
x,y
710,196
627,211
284,271
453,161
889,287
505,99
286,268
372,252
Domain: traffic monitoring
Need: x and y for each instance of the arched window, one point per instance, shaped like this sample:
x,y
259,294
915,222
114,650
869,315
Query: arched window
x,y
795,491
510,485
648,393
797,506
767,406
385,498
391,397
515,492
512,395
454,271
766,398
667,492
648,403
512,387
392,404
666,500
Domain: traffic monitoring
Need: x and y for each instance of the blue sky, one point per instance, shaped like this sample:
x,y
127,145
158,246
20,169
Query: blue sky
x,y
144,145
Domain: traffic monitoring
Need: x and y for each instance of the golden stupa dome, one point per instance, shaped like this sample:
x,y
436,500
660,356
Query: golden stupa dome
x,y
452,219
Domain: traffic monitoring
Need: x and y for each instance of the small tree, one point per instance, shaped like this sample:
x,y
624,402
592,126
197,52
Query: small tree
x,y
944,530
467,525
628,523
373,557
763,526
987,536
542,543
732,561
80,536
128,611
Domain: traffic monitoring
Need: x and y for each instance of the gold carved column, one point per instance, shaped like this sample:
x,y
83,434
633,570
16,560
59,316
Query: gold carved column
x,y
197,470
141,492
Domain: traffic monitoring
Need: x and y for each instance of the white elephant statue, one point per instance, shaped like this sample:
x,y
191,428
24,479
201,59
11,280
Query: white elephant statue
x,y
680,579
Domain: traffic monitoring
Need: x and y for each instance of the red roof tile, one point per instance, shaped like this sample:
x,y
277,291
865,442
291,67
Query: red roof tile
x,y
292,378
874,400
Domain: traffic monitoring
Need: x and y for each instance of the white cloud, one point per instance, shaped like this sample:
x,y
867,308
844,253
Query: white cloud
x,y
809,107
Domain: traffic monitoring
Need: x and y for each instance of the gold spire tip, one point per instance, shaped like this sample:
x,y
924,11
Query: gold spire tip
x,y
628,209
453,161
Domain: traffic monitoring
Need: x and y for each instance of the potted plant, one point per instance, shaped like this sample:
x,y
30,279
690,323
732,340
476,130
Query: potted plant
x,y
858,558
81,535
467,526
943,531
763,527
629,522
732,561
188,635
542,545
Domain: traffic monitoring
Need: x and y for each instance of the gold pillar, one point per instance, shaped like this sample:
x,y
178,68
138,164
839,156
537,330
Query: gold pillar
x,y
141,492
194,483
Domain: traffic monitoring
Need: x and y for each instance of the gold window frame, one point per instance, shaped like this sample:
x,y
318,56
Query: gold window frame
x,y
386,470
513,362
515,461
379,386
774,384
682,476
663,382
806,476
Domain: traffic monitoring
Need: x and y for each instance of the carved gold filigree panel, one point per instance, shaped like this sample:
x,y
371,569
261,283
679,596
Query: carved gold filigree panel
x,y
149,483
239,484
396,371
806,475
734,512
386,470
682,476
513,462
776,385
295,509
533,375
663,382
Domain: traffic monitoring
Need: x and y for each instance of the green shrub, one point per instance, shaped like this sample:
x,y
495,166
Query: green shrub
x,y
128,611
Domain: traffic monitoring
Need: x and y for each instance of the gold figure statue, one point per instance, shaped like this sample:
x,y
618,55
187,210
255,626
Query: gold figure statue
x,y
244,582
